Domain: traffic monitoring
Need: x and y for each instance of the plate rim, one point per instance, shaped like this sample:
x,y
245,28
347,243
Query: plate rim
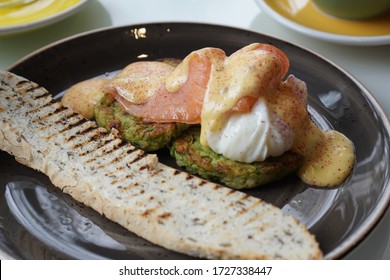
x,y
322,35
346,246
44,21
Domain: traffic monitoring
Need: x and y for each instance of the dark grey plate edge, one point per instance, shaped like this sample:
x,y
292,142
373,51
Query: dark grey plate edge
x,y
384,203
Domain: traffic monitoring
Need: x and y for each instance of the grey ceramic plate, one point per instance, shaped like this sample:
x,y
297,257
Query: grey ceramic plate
x,y
39,222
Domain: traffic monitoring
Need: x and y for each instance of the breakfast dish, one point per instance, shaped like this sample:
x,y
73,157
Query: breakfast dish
x,y
165,206
32,209
251,117
305,18
37,14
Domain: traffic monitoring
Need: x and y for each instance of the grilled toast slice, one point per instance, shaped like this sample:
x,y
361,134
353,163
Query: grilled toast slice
x,y
163,205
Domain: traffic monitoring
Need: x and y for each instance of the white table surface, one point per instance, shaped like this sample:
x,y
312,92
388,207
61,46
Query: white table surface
x,y
370,65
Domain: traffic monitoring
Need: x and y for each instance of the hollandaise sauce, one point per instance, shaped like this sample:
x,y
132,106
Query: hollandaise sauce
x,y
36,10
243,77
329,156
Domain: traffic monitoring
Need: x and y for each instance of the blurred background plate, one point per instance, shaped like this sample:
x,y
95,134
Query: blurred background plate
x,y
37,14
303,17
38,221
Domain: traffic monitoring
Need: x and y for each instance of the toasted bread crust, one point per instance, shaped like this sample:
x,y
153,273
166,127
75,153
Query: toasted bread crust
x,y
165,206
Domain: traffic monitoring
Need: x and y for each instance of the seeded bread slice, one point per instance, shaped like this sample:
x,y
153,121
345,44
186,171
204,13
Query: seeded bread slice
x,y
163,205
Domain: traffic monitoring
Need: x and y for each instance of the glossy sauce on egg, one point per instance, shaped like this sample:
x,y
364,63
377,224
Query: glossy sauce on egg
x,y
329,155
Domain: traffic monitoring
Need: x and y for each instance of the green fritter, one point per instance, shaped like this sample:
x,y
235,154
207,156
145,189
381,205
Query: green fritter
x,y
203,161
148,136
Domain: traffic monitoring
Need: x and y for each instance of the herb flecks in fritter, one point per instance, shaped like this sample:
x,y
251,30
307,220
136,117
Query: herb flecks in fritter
x,y
147,136
203,161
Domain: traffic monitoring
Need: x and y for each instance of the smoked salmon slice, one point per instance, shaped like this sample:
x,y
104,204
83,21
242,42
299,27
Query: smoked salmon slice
x,y
179,95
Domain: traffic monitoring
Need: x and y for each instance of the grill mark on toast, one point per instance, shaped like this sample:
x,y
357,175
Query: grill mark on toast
x,y
230,192
42,108
65,127
78,131
66,121
111,149
52,114
113,162
176,172
132,191
25,87
147,212
76,124
73,114
202,182
140,156
99,145
122,160
21,83
164,217
130,149
253,218
123,144
58,111
115,171
145,167
30,88
78,139
93,130
68,117
43,95
104,148
116,148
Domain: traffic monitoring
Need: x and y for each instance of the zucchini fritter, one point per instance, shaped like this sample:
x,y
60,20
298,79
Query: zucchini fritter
x,y
147,136
201,160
